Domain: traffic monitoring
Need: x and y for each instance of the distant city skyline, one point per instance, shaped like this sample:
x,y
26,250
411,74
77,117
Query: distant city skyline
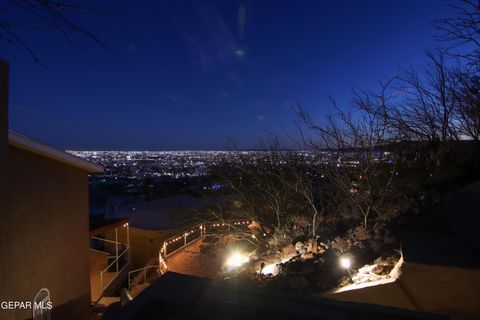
x,y
194,75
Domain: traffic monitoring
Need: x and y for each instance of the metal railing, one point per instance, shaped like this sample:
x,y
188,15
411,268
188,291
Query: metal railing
x,y
117,272
125,255
178,242
140,276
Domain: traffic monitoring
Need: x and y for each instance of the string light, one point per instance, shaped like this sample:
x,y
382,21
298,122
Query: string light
x,y
235,259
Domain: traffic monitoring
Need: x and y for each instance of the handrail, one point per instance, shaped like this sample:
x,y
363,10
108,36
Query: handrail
x,y
100,251
106,240
203,232
178,237
102,287
144,269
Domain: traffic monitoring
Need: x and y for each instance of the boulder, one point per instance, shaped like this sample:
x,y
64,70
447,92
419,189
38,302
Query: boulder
x,y
289,249
271,269
307,256
308,247
321,250
345,281
299,245
379,270
340,244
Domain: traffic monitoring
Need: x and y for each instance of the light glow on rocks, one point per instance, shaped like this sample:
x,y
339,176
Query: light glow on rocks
x,y
271,269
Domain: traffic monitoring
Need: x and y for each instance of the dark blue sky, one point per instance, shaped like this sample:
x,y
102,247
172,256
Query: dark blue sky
x,y
193,74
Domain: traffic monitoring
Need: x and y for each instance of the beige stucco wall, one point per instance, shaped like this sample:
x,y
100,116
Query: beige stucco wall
x,y
4,280
451,291
45,235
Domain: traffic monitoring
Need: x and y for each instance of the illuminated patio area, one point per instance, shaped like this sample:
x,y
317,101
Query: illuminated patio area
x,y
190,261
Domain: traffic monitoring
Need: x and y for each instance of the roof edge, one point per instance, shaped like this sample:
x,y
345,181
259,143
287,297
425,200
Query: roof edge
x,y
25,143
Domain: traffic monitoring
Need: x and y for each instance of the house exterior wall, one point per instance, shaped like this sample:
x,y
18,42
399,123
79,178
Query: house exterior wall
x,y
451,291
45,235
3,119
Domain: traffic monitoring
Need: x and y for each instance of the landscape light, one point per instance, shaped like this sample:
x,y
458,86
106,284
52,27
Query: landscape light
x,y
345,262
236,259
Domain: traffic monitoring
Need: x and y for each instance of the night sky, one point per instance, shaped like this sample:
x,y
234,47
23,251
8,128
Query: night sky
x,y
183,75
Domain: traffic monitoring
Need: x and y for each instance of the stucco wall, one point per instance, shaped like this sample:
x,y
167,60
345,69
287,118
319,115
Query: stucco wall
x,y
4,280
451,291
45,230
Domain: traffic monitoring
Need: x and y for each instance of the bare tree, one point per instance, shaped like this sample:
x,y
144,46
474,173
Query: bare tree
x,y
468,106
355,163
462,30
462,34
277,189
430,102
19,15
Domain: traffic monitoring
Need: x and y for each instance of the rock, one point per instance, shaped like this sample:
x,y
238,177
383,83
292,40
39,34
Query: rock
x,y
345,281
324,245
321,250
289,249
302,251
309,246
378,270
340,244
299,245
307,256
271,269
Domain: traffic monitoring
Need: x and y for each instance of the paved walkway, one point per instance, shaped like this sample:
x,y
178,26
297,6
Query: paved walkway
x,y
189,261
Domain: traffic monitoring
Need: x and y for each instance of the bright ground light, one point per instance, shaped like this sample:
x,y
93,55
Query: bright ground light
x,y
236,259
345,262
